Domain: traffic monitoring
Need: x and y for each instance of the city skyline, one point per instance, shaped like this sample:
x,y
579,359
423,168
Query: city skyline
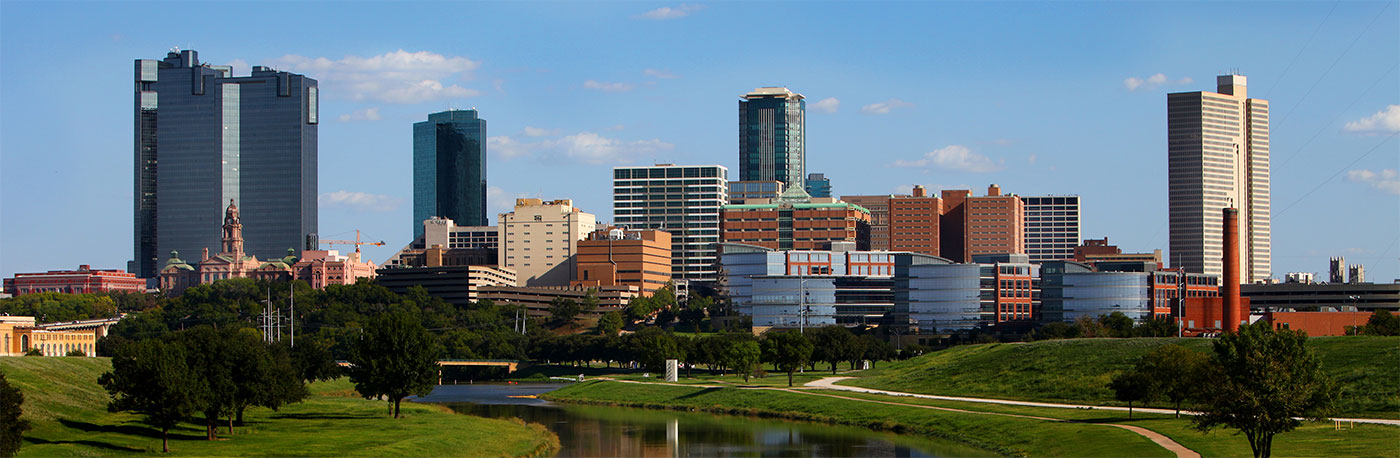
x,y
1011,110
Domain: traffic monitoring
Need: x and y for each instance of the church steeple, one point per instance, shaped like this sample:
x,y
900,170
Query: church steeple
x,y
233,232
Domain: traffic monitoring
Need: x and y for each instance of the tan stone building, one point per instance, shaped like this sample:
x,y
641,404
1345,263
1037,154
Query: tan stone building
x,y
540,238
18,334
616,256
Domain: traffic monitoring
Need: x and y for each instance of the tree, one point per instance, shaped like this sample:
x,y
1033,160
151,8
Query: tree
x,y
12,428
313,361
210,357
652,346
787,350
152,378
1158,326
395,357
1259,380
742,356
1118,324
563,311
876,349
833,344
1089,327
1132,386
1176,370
610,323
1382,323
1055,330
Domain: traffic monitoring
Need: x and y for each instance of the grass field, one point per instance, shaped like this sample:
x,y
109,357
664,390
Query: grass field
x,y
1078,370
1313,439
68,412
1002,435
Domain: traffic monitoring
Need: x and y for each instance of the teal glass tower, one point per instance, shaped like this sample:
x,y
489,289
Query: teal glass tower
x,y
772,136
449,169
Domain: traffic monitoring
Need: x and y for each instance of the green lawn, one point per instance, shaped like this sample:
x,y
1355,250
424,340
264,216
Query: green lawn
x,y
1313,439
1078,370
68,412
998,434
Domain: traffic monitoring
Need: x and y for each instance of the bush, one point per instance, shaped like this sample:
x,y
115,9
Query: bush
x,y
33,352
75,353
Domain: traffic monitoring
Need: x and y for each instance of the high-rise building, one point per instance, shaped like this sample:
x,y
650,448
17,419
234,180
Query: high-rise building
x,y
539,240
615,256
449,169
683,200
958,225
879,207
1052,227
204,138
772,136
818,185
1218,157
913,224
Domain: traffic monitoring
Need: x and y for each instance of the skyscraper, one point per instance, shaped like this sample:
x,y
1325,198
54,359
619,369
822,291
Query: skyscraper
x,y
683,200
1218,157
818,185
772,136
1052,227
449,169
204,138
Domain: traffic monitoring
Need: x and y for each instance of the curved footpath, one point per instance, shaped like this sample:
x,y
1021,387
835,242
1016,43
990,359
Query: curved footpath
x,y
829,383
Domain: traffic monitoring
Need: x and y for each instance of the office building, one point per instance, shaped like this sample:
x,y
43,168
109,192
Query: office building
x,y
683,200
615,256
1315,297
536,300
879,206
914,222
818,185
958,225
1052,227
232,261
84,280
1218,157
449,169
204,138
804,288
457,285
1095,251
772,136
540,238
796,221
442,242
743,191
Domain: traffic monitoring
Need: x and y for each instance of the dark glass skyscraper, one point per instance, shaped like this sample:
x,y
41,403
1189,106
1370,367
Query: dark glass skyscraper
x,y
449,169
204,138
772,138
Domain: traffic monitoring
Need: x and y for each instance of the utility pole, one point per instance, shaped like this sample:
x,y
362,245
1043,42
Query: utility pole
x,y
292,320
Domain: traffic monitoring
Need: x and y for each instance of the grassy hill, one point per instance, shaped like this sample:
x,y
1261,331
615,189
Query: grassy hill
x,y
68,411
1367,368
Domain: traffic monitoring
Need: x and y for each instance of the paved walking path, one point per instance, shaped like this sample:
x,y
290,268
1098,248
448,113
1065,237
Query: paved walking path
x,y
829,383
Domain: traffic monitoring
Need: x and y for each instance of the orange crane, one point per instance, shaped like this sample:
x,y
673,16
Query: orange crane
x,y
356,242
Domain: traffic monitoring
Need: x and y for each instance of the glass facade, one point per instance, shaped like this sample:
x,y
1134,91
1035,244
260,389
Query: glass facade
x,y
938,297
1093,294
1051,227
818,185
203,138
449,169
772,136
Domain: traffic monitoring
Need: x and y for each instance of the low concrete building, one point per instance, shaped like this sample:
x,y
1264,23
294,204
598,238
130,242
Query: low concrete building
x,y
1305,297
458,285
538,299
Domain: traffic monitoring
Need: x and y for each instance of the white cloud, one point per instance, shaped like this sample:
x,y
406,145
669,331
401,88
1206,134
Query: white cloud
x,y
1032,159
540,132
884,107
1384,121
667,12
617,127
1134,83
360,201
240,67
1387,180
827,105
607,87
660,74
367,114
954,157
396,77
582,147
499,201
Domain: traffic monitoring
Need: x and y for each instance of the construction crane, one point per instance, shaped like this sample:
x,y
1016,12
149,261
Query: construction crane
x,y
355,257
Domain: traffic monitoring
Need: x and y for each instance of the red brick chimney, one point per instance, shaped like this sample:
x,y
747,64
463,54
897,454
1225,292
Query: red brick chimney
x,y
1231,289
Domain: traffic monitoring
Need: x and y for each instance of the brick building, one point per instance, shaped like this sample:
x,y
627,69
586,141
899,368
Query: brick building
x,y
958,225
84,280
615,256
796,221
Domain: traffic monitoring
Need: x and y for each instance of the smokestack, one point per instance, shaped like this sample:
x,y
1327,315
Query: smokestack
x,y
1231,295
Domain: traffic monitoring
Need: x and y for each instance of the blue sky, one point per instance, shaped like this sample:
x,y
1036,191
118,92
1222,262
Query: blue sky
x,y
1041,98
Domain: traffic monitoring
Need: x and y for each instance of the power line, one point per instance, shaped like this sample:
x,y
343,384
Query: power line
x,y
1339,172
1339,116
1300,50
1334,65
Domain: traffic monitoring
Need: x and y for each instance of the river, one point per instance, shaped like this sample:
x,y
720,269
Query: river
x,y
592,431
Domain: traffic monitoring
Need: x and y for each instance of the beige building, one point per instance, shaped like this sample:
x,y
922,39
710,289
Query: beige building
x,y
540,238
18,334
1218,157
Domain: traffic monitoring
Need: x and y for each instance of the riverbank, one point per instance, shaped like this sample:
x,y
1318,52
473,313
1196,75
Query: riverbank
x,y
1367,370
1005,435
68,411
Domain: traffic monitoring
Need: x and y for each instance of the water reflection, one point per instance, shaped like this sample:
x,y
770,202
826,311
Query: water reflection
x,y
589,431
